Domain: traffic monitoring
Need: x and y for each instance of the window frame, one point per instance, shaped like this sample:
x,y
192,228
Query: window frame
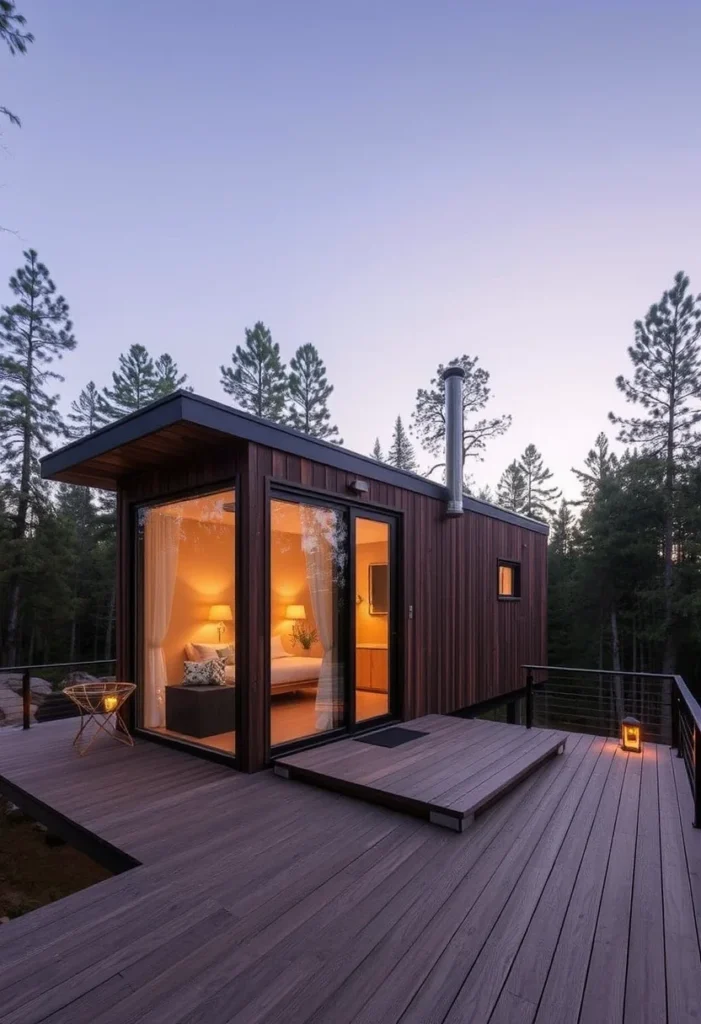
x,y
516,568
229,483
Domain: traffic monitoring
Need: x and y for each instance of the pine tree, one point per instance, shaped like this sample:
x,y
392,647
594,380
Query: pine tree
x,y
561,533
666,383
600,465
34,331
134,384
168,376
87,412
540,500
428,419
11,31
309,392
257,381
377,451
401,453
485,494
512,491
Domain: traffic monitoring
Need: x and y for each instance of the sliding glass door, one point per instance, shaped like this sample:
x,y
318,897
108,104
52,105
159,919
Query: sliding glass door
x,y
373,615
331,603
308,601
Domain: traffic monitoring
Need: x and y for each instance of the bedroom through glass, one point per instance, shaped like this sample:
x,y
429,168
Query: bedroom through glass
x,y
187,634
308,582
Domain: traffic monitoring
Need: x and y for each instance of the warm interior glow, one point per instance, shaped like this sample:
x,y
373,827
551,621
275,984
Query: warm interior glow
x,y
506,581
372,548
296,612
220,613
188,599
110,702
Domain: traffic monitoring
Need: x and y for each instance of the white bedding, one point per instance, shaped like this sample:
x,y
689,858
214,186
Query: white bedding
x,y
287,670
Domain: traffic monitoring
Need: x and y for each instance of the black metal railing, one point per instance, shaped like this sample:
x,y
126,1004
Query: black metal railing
x,y
596,701
686,737
54,704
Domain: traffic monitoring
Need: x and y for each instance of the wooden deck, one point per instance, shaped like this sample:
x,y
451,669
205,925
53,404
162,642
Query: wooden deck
x,y
575,898
451,771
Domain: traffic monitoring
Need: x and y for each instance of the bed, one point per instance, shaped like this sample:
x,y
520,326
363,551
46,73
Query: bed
x,y
288,672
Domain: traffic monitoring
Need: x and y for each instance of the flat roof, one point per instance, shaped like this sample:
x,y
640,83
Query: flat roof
x,y
181,423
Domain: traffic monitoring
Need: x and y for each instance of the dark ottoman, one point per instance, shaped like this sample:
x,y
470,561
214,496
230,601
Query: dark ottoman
x,y
200,710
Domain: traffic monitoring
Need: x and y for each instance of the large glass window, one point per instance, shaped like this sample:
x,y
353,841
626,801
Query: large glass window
x,y
308,578
188,641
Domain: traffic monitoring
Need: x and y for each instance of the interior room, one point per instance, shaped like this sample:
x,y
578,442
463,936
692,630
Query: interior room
x,y
188,638
309,571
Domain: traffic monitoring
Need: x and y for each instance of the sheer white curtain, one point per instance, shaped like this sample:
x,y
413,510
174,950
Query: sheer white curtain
x,y
161,541
320,536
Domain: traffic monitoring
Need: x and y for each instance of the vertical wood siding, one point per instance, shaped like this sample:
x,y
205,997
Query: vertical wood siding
x,y
462,645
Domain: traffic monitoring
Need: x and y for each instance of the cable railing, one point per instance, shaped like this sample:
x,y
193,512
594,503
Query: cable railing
x,y
597,700
48,700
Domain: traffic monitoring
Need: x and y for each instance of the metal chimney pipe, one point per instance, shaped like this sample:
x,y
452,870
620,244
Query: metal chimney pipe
x,y
453,378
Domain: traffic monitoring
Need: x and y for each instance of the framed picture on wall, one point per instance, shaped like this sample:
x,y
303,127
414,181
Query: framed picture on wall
x,y
378,588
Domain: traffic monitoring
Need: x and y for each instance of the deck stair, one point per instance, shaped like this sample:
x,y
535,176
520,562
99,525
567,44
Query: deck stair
x,y
448,771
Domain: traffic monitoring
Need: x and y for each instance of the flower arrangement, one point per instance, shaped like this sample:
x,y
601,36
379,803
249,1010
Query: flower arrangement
x,y
303,635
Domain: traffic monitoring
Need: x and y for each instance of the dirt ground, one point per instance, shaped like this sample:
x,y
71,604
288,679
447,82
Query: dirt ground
x,y
33,873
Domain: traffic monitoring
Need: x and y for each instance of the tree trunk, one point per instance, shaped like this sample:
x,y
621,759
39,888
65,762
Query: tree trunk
x,y
20,527
616,658
669,657
110,622
668,548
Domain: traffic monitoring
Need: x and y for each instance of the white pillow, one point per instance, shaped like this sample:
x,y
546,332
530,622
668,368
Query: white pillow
x,y
205,652
276,648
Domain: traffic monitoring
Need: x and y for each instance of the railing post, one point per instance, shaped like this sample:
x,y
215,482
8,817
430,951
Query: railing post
x,y
697,776
529,699
675,718
26,699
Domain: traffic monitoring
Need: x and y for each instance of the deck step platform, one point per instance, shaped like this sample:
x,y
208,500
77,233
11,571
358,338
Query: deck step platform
x,y
452,770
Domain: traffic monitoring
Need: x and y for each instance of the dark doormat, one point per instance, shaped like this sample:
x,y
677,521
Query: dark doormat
x,y
393,737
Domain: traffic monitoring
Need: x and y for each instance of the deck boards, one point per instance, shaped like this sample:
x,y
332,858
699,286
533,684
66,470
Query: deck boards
x,y
573,898
449,774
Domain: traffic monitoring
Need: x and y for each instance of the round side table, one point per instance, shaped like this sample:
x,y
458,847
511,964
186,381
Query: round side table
x,y
99,704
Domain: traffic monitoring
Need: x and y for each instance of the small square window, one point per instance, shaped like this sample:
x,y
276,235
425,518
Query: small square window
x,y
509,580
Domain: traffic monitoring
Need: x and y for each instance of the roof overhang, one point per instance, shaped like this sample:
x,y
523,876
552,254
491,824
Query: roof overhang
x,y
183,424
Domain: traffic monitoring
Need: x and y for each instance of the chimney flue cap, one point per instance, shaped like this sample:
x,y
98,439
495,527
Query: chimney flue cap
x,y
453,371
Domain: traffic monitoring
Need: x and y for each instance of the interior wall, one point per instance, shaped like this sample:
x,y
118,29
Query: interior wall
x,y
205,576
369,629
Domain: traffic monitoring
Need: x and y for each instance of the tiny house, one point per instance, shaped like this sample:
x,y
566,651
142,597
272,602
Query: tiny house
x,y
275,590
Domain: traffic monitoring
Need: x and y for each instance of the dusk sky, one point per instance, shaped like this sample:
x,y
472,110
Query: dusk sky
x,y
396,181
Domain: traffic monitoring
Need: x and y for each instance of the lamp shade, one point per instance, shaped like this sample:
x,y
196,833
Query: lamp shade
x,y
296,611
220,613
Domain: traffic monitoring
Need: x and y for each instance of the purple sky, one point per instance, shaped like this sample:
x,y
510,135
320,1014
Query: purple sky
x,y
397,182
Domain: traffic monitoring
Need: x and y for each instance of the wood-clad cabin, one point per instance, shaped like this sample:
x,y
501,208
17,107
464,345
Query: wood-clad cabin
x,y
276,590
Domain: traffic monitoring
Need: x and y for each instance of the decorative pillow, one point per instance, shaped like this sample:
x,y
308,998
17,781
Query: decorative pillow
x,y
197,673
205,652
276,648
217,671
204,673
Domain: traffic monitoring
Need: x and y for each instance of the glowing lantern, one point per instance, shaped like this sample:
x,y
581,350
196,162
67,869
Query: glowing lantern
x,y
630,735
110,702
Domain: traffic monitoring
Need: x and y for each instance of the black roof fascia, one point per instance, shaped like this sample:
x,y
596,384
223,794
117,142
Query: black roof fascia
x,y
205,412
